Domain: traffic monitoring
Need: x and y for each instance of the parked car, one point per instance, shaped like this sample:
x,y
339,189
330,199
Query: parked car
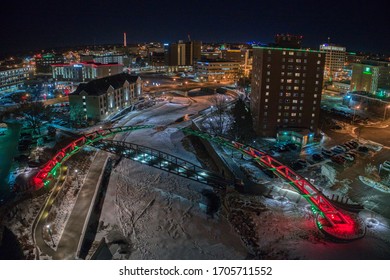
x,y
326,153
363,149
317,157
352,154
338,159
348,157
337,150
386,165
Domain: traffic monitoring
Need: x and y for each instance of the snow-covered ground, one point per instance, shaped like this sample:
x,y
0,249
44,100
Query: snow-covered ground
x,y
151,214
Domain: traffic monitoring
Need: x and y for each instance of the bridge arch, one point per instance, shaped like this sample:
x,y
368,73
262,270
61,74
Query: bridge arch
x,y
329,219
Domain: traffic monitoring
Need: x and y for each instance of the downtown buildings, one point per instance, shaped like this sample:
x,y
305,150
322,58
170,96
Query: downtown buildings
x,y
183,54
286,90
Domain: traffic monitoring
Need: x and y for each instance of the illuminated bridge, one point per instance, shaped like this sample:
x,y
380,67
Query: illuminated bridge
x,y
163,161
329,219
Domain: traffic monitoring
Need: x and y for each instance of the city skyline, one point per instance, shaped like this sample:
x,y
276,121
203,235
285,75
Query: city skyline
x,y
88,23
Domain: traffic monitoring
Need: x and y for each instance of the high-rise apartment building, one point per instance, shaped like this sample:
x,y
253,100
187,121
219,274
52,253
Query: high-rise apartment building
x,y
334,59
286,88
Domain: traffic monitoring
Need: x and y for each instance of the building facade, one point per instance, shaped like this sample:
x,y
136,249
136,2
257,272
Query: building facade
x,y
184,53
286,89
335,57
103,97
13,78
371,76
213,71
85,71
43,62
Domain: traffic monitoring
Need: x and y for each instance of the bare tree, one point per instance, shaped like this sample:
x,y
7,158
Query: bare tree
x,y
218,120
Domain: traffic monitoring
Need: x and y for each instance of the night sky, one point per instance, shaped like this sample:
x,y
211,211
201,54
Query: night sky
x,y
358,25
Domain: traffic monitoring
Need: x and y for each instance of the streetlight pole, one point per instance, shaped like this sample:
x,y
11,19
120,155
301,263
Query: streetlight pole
x,y
51,236
77,178
354,113
384,114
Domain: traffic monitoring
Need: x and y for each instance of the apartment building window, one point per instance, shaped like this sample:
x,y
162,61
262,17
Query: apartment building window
x,y
291,53
286,114
318,61
293,114
319,55
315,95
282,73
267,93
296,88
297,74
298,60
313,115
291,60
279,114
280,93
295,101
266,100
289,81
267,86
268,72
286,107
284,53
278,120
282,80
288,94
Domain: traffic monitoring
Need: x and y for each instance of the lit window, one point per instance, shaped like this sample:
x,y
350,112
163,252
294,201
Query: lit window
x,y
293,114
298,60
295,101
296,88
319,62
291,53
288,94
289,81
266,100
313,115
297,74
267,93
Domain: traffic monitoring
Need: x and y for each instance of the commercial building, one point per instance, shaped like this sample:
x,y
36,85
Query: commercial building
x,y
184,53
104,58
335,57
371,76
85,71
12,78
243,56
213,71
43,62
286,89
103,97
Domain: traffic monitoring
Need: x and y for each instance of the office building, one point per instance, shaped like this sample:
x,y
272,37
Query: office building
x,y
104,58
85,71
371,76
184,53
286,89
243,56
12,78
215,71
335,57
103,97
43,62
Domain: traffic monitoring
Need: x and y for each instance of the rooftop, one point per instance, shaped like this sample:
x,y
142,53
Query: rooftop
x,y
100,86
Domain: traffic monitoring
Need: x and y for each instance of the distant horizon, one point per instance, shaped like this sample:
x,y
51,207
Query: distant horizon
x,y
32,26
25,51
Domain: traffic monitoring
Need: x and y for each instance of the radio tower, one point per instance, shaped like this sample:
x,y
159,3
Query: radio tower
x,y
124,40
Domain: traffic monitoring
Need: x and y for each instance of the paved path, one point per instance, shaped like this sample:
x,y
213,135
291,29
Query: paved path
x,y
68,244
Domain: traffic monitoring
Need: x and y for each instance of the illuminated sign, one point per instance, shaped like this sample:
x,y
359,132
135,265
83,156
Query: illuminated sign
x,y
77,65
367,70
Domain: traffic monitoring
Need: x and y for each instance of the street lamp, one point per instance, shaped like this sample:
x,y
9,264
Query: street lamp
x,y
77,178
50,233
354,113
384,115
